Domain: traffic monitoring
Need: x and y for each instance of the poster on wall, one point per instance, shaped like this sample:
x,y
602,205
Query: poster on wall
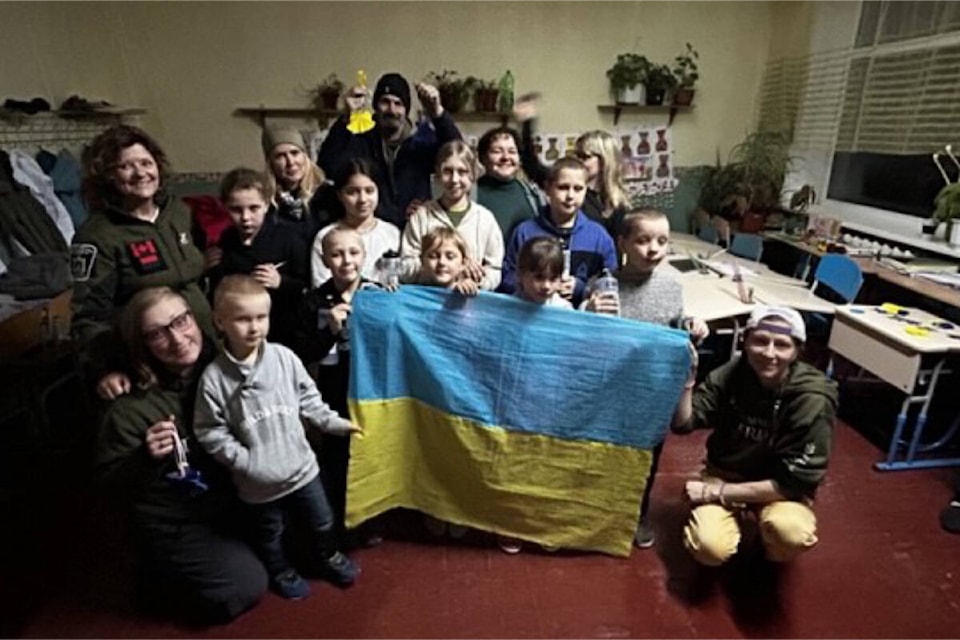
x,y
647,154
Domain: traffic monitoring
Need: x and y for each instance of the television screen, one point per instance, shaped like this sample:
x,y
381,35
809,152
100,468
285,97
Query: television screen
x,y
902,183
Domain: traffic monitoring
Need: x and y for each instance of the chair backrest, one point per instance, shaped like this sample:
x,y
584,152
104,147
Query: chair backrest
x,y
708,233
747,245
841,274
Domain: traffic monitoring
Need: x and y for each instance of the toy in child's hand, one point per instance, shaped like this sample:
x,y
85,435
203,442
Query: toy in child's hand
x,y
186,478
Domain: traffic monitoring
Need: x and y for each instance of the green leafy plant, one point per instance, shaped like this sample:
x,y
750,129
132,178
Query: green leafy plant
x,y
685,69
454,90
659,80
753,178
628,71
327,92
947,203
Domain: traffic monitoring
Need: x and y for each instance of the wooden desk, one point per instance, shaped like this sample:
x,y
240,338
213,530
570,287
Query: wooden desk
x,y
687,244
895,348
932,290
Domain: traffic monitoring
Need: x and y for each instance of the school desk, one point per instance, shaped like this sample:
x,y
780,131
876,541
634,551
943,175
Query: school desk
x,y
906,348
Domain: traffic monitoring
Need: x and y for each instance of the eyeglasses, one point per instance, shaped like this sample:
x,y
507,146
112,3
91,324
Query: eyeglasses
x,y
161,335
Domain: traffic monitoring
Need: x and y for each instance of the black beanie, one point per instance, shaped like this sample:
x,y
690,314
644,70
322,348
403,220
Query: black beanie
x,y
392,84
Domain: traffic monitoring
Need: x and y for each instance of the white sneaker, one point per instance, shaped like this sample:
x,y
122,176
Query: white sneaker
x,y
644,536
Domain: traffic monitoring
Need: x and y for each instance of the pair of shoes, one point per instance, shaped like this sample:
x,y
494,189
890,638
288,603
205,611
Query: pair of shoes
x,y
339,570
371,539
950,517
644,536
76,103
290,585
456,531
550,548
509,545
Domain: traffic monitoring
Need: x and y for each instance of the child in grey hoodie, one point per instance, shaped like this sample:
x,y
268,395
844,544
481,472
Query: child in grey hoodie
x,y
251,405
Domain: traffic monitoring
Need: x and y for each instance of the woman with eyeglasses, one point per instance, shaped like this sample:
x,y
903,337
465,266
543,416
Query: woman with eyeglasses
x,y
137,236
182,506
607,200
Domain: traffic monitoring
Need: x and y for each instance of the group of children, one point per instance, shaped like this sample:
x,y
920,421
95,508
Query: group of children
x,y
283,308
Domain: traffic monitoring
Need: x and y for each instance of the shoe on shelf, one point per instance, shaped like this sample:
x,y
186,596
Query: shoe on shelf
x,y
456,531
339,570
509,545
950,517
644,536
550,548
290,585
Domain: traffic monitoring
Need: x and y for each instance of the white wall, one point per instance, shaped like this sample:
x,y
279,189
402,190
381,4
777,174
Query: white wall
x,y
191,63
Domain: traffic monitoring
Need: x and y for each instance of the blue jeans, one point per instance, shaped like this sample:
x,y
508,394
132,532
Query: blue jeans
x,y
308,505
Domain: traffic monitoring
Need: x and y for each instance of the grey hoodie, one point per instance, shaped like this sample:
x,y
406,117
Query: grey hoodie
x,y
250,418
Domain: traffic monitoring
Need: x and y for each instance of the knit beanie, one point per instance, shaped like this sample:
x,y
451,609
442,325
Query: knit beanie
x,y
279,134
392,84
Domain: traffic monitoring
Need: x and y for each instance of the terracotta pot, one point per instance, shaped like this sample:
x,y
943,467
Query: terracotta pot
x,y
683,97
485,100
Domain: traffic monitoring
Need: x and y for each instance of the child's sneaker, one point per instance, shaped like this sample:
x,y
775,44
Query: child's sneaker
x,y
339,569
644,536
435,526
509,545
290,585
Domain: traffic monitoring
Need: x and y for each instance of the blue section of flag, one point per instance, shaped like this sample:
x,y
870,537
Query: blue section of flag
x,y
504,362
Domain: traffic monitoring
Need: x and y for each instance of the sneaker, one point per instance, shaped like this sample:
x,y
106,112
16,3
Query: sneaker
x,y
509,545
339,570
644,537
290,585
435,526
950,517
456,531
550,548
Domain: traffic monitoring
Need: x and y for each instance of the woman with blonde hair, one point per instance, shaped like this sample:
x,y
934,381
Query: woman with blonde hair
x,y
303,200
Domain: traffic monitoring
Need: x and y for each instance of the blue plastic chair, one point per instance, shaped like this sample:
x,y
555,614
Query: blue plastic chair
x,y
708,234
840,274
747,245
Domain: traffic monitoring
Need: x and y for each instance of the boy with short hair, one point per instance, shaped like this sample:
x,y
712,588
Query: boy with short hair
x,y
257,245
647,294
586,243
324,337
251,404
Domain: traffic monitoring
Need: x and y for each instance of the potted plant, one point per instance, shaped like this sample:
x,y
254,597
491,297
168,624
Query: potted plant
x,y
485,95
686,74
454,91
748,187
947,209
327,93
626,77
658,81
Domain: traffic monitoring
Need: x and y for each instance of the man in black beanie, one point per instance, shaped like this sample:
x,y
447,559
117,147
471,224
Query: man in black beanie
x,y
403,152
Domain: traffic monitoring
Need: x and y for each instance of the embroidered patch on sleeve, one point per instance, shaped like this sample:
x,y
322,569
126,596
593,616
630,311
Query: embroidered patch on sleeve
x,y
146,257
82,259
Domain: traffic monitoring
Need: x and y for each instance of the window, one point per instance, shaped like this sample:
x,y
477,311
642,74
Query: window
x,y
867,118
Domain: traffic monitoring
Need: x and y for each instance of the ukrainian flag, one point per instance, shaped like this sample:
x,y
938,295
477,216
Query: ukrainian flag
x,y
491,412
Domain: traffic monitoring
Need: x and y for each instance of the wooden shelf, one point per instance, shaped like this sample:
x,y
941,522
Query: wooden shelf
x,y
101,112
482,116
261,113
617,109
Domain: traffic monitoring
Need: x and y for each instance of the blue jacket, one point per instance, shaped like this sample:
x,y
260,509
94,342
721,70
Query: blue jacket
x,y
591,249
409,178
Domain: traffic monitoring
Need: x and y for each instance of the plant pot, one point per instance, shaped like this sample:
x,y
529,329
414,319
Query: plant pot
x,y
953,233
631,95
655,96
452,98
485,100
683,97
328,100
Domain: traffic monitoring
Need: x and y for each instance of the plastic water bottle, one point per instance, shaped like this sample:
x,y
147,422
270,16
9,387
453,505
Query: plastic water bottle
x,y
390,267
606,285
505,99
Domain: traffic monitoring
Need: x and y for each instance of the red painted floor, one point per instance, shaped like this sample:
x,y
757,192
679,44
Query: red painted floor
x,y
883,569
